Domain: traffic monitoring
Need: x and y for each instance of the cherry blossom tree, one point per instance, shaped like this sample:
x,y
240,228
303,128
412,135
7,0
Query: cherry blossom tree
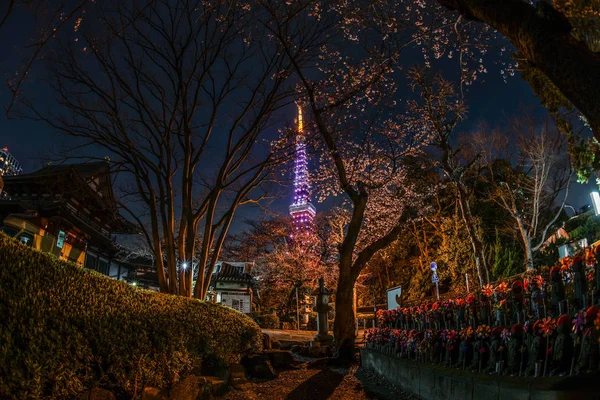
x,y
362,139
282,264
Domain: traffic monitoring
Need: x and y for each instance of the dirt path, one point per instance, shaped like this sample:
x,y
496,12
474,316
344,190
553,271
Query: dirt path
x,y
321,383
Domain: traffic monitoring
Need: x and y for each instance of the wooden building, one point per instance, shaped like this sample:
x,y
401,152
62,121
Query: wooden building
x,y
70,211
233,286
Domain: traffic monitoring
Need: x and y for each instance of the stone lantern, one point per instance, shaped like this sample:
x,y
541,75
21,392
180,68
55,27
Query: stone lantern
x,y
322,338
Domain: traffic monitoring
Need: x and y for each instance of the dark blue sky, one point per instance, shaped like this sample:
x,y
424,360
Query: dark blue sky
x,y
492,101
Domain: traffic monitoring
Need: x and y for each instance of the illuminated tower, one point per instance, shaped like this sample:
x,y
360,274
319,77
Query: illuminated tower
x,y
301,210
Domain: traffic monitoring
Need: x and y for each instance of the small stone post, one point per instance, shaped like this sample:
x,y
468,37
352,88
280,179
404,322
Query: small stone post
x,y
322,338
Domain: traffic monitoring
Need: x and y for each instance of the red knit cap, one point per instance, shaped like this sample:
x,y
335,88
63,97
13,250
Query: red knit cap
x,y
564,320
516,328
517,284
497,330
577,259
556,268
591,313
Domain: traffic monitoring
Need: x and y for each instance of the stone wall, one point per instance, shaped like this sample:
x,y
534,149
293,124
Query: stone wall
x,y
438,383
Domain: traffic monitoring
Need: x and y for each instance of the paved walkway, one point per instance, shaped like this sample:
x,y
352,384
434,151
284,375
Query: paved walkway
x,y
321,383
299,336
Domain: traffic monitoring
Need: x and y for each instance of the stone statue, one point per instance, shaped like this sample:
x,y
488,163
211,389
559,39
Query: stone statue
x,y
563,347
495,352
588,357
535,348
517,302
479,354
580,285
439,348
515,345
322,338
536,300
465,349
484,311
558,291
451,348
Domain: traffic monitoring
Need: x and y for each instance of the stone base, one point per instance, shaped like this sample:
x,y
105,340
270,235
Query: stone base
x,y
322,340
432,382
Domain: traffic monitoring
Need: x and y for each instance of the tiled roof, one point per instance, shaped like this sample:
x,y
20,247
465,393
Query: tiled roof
x,y
230,273
84,170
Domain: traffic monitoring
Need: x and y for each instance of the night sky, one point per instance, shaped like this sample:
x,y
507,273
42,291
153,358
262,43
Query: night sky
x,y
32,143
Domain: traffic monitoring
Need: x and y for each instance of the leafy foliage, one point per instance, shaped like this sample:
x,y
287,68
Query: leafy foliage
x,y
65,329
507,259
267,320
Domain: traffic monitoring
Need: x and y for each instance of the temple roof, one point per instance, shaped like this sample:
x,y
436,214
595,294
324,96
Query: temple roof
x,y
230,272
84,170
88,185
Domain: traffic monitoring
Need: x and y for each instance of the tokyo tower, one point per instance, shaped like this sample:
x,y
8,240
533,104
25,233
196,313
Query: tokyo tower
x,y
301,209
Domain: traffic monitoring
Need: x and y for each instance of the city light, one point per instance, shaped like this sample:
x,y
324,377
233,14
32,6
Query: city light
x,y
596,202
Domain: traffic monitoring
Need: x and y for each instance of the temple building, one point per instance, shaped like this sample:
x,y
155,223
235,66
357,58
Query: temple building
x,y
70,211
233,286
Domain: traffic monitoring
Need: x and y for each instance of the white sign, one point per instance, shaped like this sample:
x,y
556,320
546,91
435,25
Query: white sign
x,y
435,278
393,297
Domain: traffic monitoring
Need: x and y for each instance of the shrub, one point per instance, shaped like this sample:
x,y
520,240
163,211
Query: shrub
x,y
65,329
267,320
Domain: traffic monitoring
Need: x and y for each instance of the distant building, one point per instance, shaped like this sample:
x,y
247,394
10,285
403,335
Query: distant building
x,y
8,164
68,210
233,286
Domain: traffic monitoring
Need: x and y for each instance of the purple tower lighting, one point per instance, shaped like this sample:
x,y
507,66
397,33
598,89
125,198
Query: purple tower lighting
x,y
301,210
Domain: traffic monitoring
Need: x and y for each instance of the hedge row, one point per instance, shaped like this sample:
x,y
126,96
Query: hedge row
x,y
65,329
267,320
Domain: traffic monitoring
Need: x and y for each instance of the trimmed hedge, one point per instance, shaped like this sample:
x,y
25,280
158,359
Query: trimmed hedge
x,y
267,320
64,329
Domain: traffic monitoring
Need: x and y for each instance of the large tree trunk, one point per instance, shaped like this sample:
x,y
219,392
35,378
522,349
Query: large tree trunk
x,y
546,44
343,326
525,236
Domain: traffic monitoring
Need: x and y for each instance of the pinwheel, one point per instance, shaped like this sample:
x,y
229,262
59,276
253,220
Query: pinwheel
x,y
483,331
487,290
548,326
502,288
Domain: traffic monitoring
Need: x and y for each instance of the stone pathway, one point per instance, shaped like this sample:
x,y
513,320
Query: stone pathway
x,y
321,383
298,336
